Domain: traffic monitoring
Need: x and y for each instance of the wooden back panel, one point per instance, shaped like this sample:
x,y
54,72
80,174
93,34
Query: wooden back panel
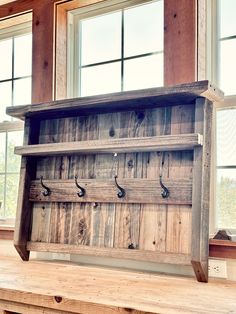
x,y
152,227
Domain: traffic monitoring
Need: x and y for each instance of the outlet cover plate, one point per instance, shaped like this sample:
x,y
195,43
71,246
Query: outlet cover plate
x,y
217,268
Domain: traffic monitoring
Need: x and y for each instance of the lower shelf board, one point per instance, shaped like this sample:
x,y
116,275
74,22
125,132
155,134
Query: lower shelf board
x,y
132,254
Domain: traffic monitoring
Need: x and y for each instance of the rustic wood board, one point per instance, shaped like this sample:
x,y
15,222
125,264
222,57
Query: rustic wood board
x,y
89,290
136,100
142,223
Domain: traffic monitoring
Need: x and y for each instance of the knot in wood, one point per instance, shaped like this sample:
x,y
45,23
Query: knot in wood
x,y
58,299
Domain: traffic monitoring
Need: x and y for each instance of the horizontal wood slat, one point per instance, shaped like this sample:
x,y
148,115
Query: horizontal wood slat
x,y
146,98
141,255
141,144
105,191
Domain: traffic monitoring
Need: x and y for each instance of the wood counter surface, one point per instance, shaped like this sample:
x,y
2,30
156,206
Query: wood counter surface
x,y
59,287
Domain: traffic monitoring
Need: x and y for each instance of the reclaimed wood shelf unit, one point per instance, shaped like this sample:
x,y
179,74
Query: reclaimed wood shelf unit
x,y
122,175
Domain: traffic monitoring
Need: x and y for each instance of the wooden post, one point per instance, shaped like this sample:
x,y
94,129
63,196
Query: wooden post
x,y
201,190
24,207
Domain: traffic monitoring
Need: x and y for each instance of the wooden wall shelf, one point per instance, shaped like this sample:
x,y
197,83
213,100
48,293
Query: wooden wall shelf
x,y
127,145
162,138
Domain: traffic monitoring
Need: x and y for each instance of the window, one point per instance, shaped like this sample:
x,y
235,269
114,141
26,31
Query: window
x,y
15,89
225,78
117,47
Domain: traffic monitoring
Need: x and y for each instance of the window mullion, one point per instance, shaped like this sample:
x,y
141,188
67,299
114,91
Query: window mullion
x,y
122,50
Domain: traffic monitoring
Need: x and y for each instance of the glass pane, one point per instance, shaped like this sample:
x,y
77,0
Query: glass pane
x,y
6,59
2,185
228,66
22,91
101,79
143,72
143,29
2,151
226,198
101,38
11,195
5,100
227,9
226,137
13,161
22,55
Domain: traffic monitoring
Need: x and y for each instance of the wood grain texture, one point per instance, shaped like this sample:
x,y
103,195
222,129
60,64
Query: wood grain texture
x,y
180,41
140,99
142,144
89,290
147,255
24,207
104,191
201,191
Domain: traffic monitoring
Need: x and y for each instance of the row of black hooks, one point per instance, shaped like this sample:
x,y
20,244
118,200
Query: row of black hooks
x,y
121,191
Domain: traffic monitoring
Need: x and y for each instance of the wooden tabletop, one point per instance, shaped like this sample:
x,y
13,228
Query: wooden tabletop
x,y
86,289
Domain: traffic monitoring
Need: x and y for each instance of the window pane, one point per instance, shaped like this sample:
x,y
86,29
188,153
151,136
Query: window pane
x,y
2,184
13,161
101,38
2,151
11,195
5,100
6,59
22,91
22,55
226,198
228,66
143,72
101,79
226,137
143,29
227,9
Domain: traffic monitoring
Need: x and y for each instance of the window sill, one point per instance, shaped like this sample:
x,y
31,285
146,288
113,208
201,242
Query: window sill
x,y
6,232
222,248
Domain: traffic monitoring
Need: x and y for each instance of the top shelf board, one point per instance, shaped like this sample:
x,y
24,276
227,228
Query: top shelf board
x,y
131,100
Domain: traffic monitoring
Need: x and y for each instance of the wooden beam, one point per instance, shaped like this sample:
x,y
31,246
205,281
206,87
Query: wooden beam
x,y
24,207
105,191
151,256
43,52
201,186
141,144
180,59
183,94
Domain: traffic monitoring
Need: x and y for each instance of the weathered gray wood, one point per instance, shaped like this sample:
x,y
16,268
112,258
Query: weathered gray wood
x,y
24,206
151,256
141,144
201,191
147,98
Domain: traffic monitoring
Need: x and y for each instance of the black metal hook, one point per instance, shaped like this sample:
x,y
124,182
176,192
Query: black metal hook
x,y
46,191
81,193
165,192
121,192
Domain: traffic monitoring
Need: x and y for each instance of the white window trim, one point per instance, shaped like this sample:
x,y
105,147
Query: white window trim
x,y
74,17
229,102
13,125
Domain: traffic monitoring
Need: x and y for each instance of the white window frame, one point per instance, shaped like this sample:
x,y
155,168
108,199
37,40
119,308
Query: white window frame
x,y
229,102
12,125
74,17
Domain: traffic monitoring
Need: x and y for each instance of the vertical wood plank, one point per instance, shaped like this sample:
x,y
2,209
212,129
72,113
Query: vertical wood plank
x,y
180,166
180,18
201,190
24,207
43,52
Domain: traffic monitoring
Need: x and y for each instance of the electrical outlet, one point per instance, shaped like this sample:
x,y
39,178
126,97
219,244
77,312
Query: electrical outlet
x,y
217,268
